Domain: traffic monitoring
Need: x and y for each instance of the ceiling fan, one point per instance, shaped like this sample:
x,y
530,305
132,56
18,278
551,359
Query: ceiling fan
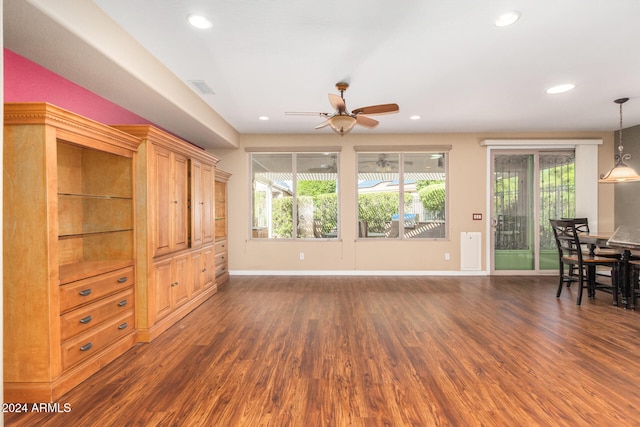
x,y
383,164
331,167
342,121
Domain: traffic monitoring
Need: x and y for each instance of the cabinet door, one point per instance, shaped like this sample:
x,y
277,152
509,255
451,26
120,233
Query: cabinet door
x,y
197,273
180,202
164,205
180,284
196,203
202,204
171,172
162,287
208,258
208,207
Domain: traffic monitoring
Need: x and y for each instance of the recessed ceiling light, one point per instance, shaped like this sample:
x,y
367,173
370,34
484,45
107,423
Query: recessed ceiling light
x,y
263,118
560,88
199,21
416,117
507,19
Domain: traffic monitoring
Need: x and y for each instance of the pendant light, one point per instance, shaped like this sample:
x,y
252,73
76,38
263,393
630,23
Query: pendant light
x,y
621,172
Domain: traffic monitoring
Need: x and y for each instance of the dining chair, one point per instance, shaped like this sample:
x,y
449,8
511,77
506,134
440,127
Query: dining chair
x,y
634,266
570,253
582,226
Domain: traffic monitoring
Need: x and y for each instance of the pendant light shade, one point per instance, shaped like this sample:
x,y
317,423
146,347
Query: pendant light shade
x,y
621,172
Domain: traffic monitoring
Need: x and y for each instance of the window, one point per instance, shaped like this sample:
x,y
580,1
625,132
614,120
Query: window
x,y
402,195
294,191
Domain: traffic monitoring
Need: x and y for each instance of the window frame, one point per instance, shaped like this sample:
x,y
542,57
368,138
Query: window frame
x,y
401,152
294,152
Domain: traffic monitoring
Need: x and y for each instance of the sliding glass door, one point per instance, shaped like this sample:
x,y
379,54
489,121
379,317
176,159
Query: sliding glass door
x,y
529,188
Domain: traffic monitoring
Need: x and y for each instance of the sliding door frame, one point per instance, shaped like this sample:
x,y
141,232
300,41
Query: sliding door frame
x,y
586,181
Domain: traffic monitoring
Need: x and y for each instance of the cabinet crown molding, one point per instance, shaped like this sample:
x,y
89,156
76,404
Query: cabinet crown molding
x,y
68,123
167,140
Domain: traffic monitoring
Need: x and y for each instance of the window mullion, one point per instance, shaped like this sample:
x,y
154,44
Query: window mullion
x,y
294,197
401,196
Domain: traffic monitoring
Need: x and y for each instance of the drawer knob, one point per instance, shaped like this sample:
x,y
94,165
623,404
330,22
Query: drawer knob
x,y
204,269
122,303
86,320
122,280
85,292
123,326
86,347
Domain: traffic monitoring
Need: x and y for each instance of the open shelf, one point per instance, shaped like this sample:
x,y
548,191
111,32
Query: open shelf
x,y
221,210
84,214
95,207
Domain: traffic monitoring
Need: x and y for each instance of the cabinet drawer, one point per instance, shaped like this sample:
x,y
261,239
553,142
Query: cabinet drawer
x,y
221,246
220,258
221,269
88,290
84,318
95,340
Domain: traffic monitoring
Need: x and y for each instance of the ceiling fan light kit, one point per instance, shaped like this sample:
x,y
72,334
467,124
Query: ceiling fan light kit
x,y
342,121
342,124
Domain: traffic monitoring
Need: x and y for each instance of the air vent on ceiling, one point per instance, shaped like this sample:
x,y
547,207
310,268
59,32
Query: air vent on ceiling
x,y
202,87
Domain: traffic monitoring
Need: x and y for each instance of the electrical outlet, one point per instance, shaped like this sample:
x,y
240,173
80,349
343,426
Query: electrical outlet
x,y
447,257
301,255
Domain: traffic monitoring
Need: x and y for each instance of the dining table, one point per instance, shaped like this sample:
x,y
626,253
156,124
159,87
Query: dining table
x,y
625,239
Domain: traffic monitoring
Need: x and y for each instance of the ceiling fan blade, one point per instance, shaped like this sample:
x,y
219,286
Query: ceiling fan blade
x,y
367,122
304,113
377,109
337,102
323,124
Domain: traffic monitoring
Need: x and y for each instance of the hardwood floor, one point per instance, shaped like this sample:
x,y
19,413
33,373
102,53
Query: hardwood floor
x,y
373,351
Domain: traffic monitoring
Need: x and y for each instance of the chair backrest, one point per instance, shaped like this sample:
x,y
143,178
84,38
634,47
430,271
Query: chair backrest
x,y
582,224
566,234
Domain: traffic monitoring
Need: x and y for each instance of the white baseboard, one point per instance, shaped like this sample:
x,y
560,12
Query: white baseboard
x,y
353,273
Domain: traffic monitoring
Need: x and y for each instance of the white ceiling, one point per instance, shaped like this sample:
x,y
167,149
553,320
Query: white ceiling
x,y
440,59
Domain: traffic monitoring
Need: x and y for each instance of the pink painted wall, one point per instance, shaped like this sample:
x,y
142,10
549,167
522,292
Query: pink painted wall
x,y
26,81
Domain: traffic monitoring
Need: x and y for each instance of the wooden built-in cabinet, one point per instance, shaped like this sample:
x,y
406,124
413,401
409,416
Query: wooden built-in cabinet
x,y
221,227
69,249
111,235
175,211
